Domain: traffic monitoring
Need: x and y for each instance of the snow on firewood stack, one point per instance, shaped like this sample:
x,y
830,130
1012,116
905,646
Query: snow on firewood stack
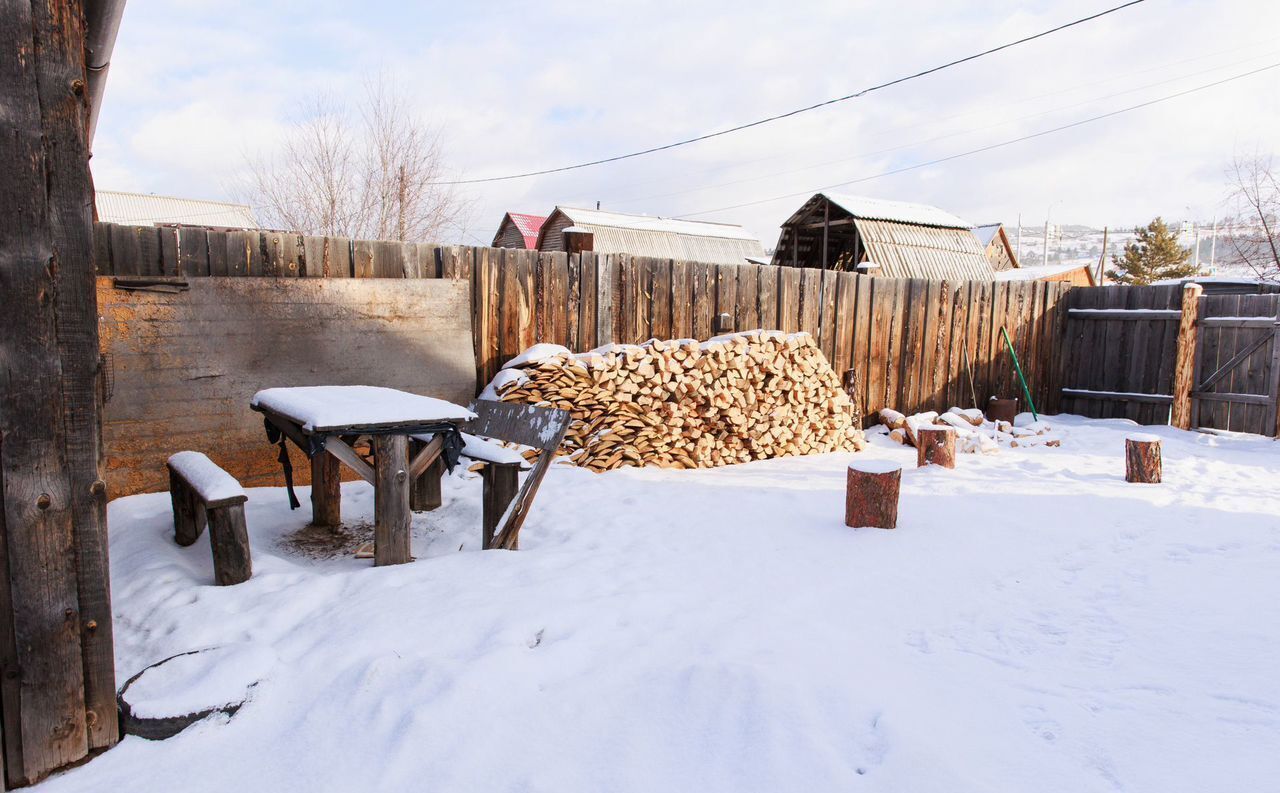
x,y
974,433
684,404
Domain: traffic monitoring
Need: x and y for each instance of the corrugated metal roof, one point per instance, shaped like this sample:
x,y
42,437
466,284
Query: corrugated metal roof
x,y
144,208
643,235
1042,271
899,211
916,251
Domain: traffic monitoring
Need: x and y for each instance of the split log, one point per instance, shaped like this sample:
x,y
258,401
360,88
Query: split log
x,y
871,494
229,539
936,446
326,490
1142,459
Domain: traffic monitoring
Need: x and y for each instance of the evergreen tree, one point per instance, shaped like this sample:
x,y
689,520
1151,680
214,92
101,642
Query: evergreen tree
x,y
1154,256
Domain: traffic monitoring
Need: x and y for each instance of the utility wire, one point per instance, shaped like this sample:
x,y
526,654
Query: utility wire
x,y
798,111
989,147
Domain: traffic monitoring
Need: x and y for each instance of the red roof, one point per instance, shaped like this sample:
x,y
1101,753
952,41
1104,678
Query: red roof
x,y
529,226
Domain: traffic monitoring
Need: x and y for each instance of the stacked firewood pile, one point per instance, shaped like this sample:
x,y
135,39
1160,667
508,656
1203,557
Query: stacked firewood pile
x,y
974,433
685,404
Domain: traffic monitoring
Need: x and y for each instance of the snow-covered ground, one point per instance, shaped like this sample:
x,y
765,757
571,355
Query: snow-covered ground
x,y
1034,624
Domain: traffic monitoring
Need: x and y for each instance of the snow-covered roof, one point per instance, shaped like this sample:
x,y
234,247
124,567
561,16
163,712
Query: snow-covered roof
x,y
145,209
987,233
1033,273
897,211
619,220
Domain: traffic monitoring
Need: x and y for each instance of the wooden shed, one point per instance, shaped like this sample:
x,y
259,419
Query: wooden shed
x,y
1074,274
889,238
646,235
518,230
995,243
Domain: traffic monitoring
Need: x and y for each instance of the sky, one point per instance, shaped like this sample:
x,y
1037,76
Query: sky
x,y
197,87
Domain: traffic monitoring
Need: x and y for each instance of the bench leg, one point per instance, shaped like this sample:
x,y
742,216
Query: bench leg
x,y
326,492
501,482
391,499
229,538
425,495
188,512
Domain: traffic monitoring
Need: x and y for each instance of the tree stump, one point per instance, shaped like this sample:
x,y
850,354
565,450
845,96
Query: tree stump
x,y
936,445
1142,459
1002,409
871,496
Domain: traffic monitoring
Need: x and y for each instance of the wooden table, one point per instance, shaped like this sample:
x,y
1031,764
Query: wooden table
x,y
324,422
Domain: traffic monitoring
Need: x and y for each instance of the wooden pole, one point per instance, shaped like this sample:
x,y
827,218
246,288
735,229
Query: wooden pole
x,y
501,483
1184,367
871,494
326,489
1142,459
391,500
57,695
936,446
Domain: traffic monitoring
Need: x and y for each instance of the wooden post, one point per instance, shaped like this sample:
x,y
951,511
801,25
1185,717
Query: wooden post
x,y
501,481
425,493
326,490
57,693
391,499
936,446
1142,459
229,539
871,494
188,513
1184,368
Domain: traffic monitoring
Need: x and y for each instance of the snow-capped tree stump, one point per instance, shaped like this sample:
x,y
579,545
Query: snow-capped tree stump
x,y
1002,409
871,495
1142,459
936,446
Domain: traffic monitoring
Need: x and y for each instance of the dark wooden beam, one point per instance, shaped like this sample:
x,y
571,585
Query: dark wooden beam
x,y
58,685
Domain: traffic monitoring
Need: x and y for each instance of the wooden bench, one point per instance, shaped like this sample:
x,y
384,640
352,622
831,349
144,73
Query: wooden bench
x,y
505,502
203,493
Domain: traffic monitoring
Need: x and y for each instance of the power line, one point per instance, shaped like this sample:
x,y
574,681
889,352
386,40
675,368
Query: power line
x,y
989,147
798,111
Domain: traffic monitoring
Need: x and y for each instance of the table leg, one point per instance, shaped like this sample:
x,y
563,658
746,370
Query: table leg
x,y
326,494
425,494
391,499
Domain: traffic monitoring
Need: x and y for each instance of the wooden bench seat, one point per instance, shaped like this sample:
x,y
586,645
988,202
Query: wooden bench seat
x,y
204,494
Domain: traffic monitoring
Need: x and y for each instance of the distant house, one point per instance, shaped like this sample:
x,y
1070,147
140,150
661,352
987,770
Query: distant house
x,y
145,209
518,231
1074,274
645,235
995,242
887,238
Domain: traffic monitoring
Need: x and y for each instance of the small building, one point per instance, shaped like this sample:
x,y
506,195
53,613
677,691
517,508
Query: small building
x,y
995,242
1071,273
518,230
888,238
645,235
146,209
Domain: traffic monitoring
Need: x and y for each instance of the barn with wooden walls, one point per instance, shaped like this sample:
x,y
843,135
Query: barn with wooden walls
x,y
878,237
518,230
995,243
646,235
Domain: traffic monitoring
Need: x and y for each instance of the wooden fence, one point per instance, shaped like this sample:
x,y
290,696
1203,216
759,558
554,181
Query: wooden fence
x,y
911,342
1161,354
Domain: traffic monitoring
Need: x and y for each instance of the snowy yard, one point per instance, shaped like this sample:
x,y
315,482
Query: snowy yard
x,y
1035,623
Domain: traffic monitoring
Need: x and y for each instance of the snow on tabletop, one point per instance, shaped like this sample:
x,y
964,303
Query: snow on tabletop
x,y
327,406
191,683
873,465
536,354
1126,643
205,476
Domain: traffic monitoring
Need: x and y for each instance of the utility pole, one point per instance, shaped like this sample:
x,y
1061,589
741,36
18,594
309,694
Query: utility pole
x,y
1197,251
1046,240
1019,238
1213,247
1102,258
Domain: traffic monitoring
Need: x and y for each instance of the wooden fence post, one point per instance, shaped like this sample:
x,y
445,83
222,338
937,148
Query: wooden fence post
x,y
1184,368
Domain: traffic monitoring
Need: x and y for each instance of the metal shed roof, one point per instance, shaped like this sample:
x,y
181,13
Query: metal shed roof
x,y
140,209
644,235
898,211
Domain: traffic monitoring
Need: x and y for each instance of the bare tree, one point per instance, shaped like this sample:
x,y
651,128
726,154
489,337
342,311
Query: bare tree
x,y
372,172
1253,227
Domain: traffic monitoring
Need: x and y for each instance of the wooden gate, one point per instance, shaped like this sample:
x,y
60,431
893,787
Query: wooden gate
x,y
1237,380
